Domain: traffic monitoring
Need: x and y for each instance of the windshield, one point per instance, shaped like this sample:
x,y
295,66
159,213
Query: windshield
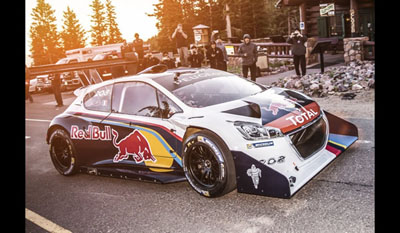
x,y
216,90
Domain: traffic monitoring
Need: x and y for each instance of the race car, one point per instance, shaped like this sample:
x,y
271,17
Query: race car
x,y
216,130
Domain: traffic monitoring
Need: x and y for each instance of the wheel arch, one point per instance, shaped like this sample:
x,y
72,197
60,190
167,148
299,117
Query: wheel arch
x,y
52,128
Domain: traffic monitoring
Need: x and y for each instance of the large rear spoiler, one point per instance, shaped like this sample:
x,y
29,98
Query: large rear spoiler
x,y
342,134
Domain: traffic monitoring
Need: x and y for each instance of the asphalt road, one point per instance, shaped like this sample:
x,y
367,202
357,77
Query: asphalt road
x,y
339,199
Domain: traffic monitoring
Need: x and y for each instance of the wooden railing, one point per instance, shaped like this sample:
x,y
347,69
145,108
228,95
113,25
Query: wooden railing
x,y
272,50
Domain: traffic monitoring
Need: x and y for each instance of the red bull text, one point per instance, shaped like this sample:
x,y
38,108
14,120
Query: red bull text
x,y
91,133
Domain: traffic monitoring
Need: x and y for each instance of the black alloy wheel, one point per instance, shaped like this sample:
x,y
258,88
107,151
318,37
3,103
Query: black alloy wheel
x,y
208,164
62,153
203,165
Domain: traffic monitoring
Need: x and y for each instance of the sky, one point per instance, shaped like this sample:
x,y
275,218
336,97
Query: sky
x,y
131,17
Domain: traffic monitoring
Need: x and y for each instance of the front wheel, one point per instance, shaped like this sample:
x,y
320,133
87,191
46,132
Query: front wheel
x,y
208,164
62,153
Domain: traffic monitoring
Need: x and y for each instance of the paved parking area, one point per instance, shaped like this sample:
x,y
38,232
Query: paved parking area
x,y
339,199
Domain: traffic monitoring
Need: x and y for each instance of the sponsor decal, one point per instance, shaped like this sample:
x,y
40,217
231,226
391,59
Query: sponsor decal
x,y
296,118
260,144
280,159
91,133
303,117
134,144
255,174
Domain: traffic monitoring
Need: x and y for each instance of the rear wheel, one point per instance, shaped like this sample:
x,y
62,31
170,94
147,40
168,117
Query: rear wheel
x,y
62,153
208,164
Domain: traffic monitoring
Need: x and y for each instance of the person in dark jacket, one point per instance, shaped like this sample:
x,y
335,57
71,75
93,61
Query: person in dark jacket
x,y
138,45
181,44
298,50
166,60
217,38
150,60
214,54
248,52
56,84
27,84
195,57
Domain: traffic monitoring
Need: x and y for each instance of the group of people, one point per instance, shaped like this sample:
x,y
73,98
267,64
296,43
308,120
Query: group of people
x,y
216,53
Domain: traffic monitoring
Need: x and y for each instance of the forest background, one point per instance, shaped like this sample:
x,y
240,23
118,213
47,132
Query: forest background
x,y
259,18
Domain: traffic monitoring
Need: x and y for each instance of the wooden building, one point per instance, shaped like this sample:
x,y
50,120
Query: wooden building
x,y
335,18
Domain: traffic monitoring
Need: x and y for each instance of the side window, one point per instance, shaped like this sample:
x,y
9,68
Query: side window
x,y
167,107
136,98
99,99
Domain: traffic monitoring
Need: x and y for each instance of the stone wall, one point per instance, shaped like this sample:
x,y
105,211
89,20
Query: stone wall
x,y
354,49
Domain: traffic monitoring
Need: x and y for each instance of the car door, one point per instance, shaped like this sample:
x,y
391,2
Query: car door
x,y
91,137
142,134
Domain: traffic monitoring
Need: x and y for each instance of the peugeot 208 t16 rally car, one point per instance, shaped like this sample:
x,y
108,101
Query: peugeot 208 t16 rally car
x,y
215,129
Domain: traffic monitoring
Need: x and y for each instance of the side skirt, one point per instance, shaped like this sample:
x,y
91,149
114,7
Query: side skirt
x,y
141,175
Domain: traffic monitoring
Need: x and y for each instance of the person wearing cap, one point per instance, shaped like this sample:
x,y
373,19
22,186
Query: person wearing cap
x,y
248,52
214,54
195,57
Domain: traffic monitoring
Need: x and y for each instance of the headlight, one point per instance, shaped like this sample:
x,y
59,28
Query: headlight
x,y
253,131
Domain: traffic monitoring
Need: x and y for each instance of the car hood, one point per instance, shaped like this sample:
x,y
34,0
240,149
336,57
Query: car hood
x,y
280,108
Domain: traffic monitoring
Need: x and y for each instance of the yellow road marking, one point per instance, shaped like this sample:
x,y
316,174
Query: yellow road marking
x,y
44,223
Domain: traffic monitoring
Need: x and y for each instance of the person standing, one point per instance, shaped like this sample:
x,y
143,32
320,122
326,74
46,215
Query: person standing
x,y
195,57
220,45
138,45
297,40
125,48
56,84
181,44
27,84
248,52
214,54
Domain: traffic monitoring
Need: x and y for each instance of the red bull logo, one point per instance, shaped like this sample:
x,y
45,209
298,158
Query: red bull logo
x,y
134,144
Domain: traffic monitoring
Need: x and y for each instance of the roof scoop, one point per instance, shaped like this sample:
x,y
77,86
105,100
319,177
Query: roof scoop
x,y
159,68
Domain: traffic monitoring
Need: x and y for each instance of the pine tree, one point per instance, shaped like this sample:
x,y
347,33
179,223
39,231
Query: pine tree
x,y
99,29
114,34
73,35
169,14
45,47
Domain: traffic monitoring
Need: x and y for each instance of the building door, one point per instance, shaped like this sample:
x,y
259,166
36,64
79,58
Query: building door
x,y
322,27
366,21
346,24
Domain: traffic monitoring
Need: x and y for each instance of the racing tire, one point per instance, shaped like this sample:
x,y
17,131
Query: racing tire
x,y
208,164
62,153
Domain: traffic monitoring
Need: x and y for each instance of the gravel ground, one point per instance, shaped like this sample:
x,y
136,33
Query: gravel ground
x,y
362,106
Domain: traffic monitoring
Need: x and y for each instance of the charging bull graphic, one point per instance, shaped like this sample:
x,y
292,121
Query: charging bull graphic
x,y
274,108
134,144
